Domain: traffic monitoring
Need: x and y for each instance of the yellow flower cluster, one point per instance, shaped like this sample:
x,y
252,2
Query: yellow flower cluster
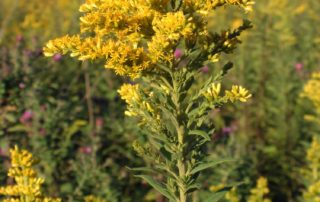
x,y
258,193
133,36
237,93
28,185
312,172
130,94
232,195
311,91
312,194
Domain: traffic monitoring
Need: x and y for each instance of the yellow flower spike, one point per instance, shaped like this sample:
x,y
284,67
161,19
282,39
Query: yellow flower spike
x,y
28,185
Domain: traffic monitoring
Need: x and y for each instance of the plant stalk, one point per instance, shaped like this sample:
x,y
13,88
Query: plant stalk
x,y
181,142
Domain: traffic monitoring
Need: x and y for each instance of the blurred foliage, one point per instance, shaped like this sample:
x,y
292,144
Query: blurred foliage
x,y
69,115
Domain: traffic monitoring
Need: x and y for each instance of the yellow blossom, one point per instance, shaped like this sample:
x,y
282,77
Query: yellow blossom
x,y
213,91
232,196
258,193
129,93
237,93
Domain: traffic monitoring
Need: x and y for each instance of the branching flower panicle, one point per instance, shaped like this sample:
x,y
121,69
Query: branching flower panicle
x,y
133,36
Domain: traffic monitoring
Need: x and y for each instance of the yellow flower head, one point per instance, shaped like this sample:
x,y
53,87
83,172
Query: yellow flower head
x,y
213,91
237,93
129,93
132,36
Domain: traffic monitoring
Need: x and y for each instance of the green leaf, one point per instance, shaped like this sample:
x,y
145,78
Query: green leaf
x,y
166,69
18,128
193,187
226,68
156,185
141,169
200,133
205,165
215,197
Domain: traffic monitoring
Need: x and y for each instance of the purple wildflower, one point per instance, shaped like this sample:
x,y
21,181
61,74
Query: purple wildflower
x,y
86,150
22,85
227,130
26,117
205,69
298,67
178,53
57,57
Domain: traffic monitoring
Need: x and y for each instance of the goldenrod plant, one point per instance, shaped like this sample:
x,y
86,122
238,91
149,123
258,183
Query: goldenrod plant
x,y
311,173
162,45
28,184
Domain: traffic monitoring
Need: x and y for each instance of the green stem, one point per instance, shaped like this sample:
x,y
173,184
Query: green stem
x,y
182,170
181,142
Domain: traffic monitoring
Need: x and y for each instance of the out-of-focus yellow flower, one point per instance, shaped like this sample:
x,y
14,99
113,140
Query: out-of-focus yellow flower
x,y
311,91
93,199
28,185
312,172
218,187
258,193
232,195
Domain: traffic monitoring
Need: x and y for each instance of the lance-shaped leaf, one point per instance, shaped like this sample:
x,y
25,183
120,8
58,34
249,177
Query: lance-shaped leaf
x,y
205,165
200,133
156,185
